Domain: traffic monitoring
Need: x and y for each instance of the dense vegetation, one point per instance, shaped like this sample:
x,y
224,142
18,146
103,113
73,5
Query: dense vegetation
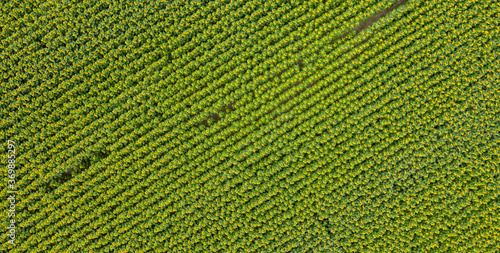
x,y
252,126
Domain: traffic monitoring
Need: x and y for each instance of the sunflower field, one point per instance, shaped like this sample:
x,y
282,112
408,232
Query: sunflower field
x,y
250,126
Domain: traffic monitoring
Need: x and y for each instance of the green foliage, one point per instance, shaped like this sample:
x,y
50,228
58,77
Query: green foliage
x,y
252,126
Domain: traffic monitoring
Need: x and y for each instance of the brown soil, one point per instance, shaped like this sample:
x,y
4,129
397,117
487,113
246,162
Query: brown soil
x,y
216,117
301,66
